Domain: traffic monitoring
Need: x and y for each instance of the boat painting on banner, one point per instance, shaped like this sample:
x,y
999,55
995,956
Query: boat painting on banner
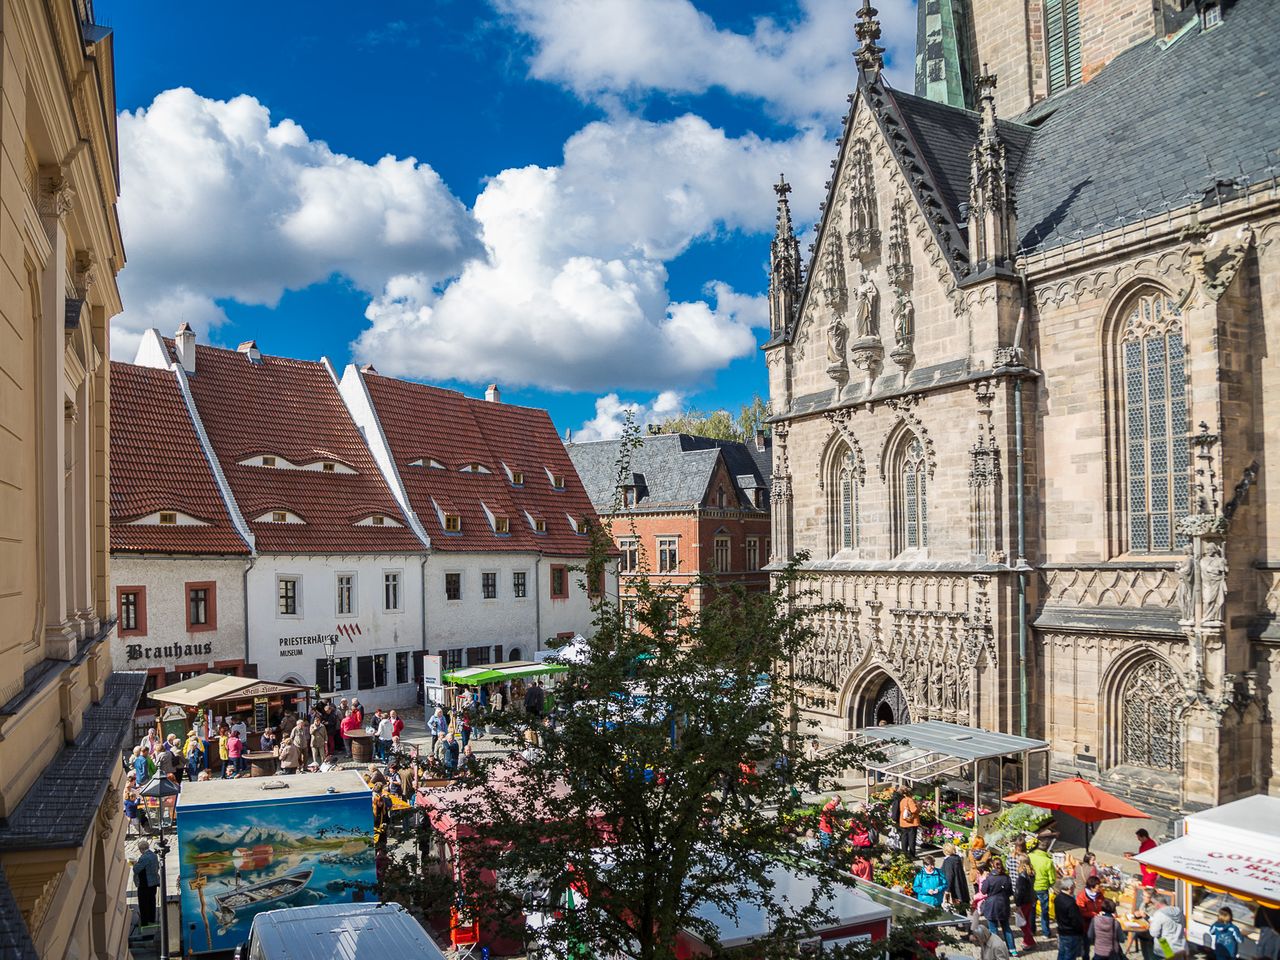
x,y
258,844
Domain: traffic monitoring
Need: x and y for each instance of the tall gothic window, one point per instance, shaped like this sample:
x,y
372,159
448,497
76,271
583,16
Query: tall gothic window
x,y
849,534
1155,423
913,506
1149,731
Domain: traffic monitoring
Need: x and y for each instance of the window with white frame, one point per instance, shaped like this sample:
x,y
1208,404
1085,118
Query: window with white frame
x,y
346,594
288,596
391,591
629,559
723,549
668,554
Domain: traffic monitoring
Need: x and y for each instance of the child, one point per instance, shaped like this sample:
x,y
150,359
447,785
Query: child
x,y
1226,936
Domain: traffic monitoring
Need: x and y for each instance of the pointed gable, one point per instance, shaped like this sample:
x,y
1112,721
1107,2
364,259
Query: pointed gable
x,y
159,472
255,404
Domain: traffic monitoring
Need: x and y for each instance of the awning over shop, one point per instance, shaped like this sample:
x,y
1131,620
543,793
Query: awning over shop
x,y
498,672
216,687
933,748
1234,848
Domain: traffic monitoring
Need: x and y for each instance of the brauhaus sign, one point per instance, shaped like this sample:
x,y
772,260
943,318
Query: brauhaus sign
x,y
293,646
169,652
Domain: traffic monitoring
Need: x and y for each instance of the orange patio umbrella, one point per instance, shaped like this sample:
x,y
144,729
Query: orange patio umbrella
x,y
1080,799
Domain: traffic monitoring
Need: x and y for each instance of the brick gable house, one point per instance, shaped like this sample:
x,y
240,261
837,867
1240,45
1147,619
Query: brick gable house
x,y
691,511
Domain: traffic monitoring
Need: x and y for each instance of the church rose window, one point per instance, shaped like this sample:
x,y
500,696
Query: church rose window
x,y
1157,459
1149,734
914,510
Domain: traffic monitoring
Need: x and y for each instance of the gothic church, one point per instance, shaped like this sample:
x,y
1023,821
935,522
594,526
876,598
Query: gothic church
x,y
1020,388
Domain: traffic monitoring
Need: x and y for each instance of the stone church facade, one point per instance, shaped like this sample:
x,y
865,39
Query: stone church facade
x,y
1022,394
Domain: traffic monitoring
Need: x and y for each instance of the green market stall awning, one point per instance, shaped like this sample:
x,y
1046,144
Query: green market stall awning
x,y
498,672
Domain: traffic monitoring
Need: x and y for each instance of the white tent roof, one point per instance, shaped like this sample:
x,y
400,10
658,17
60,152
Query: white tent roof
x,y
1234,848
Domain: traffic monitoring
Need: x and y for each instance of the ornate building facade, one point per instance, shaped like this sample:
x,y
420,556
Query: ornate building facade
x,y
63,714
1021,408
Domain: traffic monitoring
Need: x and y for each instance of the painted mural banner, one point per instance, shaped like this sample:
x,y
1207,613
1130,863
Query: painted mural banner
x,y
256,844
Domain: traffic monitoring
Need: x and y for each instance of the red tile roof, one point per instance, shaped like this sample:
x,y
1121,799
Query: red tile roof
x,y
157,464
444,425
292,408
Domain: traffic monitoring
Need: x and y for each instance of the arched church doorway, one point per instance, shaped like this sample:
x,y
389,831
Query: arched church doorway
x,y
887,706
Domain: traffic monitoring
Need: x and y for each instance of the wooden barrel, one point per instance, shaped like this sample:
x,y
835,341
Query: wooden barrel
x,y
361,746
262,763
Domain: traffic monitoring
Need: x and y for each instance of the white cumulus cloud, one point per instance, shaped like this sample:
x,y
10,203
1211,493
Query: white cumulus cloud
x,y
601,49
217,202
572,291
611,415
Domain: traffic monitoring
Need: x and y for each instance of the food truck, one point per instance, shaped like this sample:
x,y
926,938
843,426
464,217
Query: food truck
x,y
1225,857
254,844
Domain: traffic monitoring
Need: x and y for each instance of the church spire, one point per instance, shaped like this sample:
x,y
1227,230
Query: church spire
x,y
869,55
943,58
784,266
993,231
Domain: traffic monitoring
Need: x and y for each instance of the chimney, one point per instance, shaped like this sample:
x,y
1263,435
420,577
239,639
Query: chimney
x,y
250,349
759,438
185,343
493,394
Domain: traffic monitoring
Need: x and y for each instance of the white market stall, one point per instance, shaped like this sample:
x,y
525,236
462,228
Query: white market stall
x,y
1228,856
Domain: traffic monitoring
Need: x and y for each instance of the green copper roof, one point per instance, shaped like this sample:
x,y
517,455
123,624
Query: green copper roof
x,y
943,57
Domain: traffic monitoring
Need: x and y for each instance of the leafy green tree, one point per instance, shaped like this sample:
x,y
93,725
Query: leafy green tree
x,y
718,424
668,782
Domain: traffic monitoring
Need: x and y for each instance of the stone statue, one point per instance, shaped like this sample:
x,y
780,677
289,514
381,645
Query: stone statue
x,y
837,338
867,311
905,321
1213,583
1187,588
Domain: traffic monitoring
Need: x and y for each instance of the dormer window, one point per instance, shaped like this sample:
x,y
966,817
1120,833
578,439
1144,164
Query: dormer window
x,y
539,526
329,466
555,479
1210,16
168,518
268,461
278,516
452,523
757,497
474,468
517,478
378,520
428,462
501,525
277,462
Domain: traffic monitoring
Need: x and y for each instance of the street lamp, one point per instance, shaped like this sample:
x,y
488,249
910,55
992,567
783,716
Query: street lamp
x,y
330,645
161,788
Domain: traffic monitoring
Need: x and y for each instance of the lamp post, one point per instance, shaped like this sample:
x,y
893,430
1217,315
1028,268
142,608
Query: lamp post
x,y
330,646
162,788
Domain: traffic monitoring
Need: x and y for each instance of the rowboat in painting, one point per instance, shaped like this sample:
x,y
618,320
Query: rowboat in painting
x,y
267,891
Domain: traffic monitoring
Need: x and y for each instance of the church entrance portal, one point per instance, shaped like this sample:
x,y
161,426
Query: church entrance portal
x,y
886,706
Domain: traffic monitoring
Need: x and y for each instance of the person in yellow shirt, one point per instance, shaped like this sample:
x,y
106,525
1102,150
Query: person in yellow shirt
x,y
193,750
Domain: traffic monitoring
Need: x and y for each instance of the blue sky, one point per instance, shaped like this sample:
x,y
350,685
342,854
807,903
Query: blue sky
x,y
570,197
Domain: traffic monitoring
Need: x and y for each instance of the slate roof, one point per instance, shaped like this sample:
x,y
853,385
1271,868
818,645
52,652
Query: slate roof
x,y
676,468
15,939
945,136
292,409
60,806
431,423
1156,128
157,463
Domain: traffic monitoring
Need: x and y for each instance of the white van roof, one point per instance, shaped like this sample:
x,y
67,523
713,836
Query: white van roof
x,y
342,931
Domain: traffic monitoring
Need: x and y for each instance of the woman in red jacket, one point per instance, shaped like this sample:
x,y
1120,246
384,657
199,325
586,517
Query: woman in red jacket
x,y
350,724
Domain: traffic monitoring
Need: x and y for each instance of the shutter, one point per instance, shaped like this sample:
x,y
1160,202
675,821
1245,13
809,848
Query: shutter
x,y
322,674
1071,35
364,673
497,653
1055,49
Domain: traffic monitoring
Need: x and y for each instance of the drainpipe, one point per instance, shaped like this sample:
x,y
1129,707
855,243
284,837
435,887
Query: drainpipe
x,y
537,604
244,596
1021,565
422,604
